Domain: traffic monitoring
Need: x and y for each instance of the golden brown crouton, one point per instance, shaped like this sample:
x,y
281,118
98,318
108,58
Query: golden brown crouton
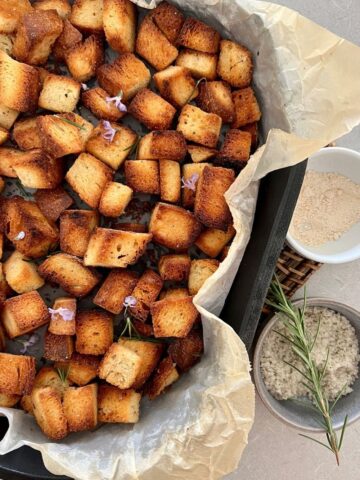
x,y
115,248
69,37
2,338
236,148
4,135
198,36
5,291
38,234
76,227
21,274
120,24
62,7
170,181
82,368
112,153
247,109
201,65
120,366
215,97
7,116
176,85
118,406
49,412
127,74
191,173
199,153
53,202
174,293
62,321
94,332
11,12
58,347
8,158
26,404
36,33
224,253
24,313
114,199
84,58
173,227
26,134
51,377
36,169
117,286
87,15
168,19
153,45
151,110
80,407
81,177
17,373
19,86
143,176
59,94
95,100
8,400
200,271
186,352
165,375
167,144
174,267
131,227
199,126
1,244
235,64
70,273
146,292
212,184
173,317
253,129
211,241
6,42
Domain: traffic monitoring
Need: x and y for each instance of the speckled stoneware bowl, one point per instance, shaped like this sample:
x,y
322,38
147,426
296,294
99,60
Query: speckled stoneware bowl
x,y
293,413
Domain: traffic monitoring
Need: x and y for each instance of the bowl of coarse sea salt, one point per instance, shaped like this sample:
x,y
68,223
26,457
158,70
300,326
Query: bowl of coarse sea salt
x,y
326,223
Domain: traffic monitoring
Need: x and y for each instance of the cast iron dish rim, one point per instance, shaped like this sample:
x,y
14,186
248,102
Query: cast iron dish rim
x,y
259,383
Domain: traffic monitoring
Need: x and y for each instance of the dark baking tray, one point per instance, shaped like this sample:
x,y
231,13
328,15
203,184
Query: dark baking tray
x,y
277,198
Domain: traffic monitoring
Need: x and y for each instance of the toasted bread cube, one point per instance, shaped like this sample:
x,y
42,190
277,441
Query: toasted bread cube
x,y
7,116
95,100
117,286
36,169
2,184
120,24
224,253
168,19
198,153
8,158
17,373
146,292
114,199
4,135
215,97
70,273
199,36
11,12
170,181
5,291
53,202
235,64
247,109
127,74
2,338
24,313
76,228
151,110
211,241
173,317
153,45
20,274
62,7
82,369
8,401
174,293
69,37
200,65
61,324
59,137
26,404
213,183
1,245
174,267
50,377
165,375
191,171
199,126
58,347
115,152
236,148
118,406
253,129
59,94
186,352
143,176
120,366
176,85
38,234
143,329
167,144
36,33
87,15
173,227
84,58
19,87
115,248
80,407
94,332
200,271
6,42
49,412
131,227
81,177
26,135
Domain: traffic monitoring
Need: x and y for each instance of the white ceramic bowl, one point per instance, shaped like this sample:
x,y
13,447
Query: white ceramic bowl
x,y
347,247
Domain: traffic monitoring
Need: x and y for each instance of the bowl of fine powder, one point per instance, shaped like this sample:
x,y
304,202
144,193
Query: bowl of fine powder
x,y
326,222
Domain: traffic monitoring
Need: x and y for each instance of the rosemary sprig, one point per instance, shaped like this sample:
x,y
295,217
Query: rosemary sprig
x,y
132,147
302,346
70,122
131,333
202,79
63,374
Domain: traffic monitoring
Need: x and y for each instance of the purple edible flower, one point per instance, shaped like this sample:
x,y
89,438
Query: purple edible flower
x,y
109,131
190,183
130,301
29,342
117,100
65,313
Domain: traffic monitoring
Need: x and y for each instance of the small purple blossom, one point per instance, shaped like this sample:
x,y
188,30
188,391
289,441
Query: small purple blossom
x,y
110,132
190,183
65,313
130,301
20,236
31,341
84,87
117,101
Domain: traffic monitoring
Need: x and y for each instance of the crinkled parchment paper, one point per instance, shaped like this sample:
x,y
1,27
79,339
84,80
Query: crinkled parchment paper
x,y
307,80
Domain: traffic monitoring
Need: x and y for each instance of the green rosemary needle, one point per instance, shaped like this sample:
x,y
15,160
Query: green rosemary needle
x,y
63,374
70,122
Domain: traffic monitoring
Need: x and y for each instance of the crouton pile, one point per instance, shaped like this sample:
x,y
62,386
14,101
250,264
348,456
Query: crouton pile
x,y
123,324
